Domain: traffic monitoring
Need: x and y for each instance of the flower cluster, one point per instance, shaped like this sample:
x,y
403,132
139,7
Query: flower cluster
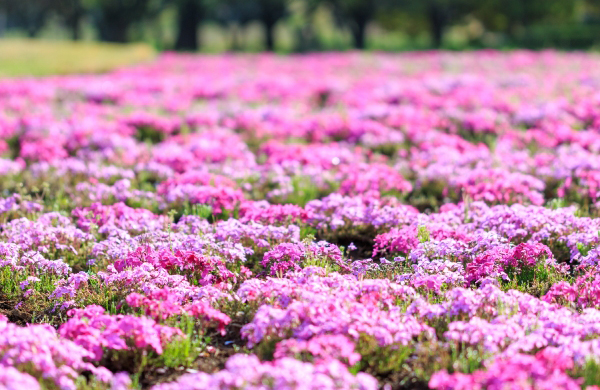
x,y
423,220
38,352
248,373
290,256
99,332
546,370
164,303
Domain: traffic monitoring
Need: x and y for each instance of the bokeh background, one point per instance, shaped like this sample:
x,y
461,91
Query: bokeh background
x,y
283,26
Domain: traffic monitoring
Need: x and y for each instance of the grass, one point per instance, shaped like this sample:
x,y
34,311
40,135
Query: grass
x,y
29,57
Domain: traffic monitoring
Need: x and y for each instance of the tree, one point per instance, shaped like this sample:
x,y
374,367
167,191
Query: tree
x,y
269,13
439,14
189,15
113,18
513,16
72,12
233,14
240,12
303,12
28,15
356,15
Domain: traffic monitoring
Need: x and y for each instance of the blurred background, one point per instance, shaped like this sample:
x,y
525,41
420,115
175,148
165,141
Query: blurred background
x,y
292,25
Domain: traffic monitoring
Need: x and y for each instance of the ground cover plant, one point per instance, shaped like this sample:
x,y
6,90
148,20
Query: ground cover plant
x,y
324,221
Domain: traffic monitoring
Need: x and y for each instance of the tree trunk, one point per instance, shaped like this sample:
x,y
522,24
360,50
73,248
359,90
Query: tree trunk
x,y
437,21
3,23
74,24
359,33
35,19
236,36
269,35
33,30
75,32
305,38
189,17
113,30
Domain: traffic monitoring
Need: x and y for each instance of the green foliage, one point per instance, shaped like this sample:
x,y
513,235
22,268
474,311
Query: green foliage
x,y
203,211
430,357
307,231
378,359
532,280
182,351
428,196
305,191
590,372
36,299
200,210
583,249
149,135
423,234
489,139
266,349
308,25
557,203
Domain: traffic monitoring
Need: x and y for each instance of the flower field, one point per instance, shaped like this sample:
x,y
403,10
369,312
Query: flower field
x,y
326,221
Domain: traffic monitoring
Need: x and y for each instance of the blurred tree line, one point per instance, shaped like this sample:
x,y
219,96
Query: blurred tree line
x,y
569,24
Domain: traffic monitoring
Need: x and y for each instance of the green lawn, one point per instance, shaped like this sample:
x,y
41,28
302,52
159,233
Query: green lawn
x,y
27,57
